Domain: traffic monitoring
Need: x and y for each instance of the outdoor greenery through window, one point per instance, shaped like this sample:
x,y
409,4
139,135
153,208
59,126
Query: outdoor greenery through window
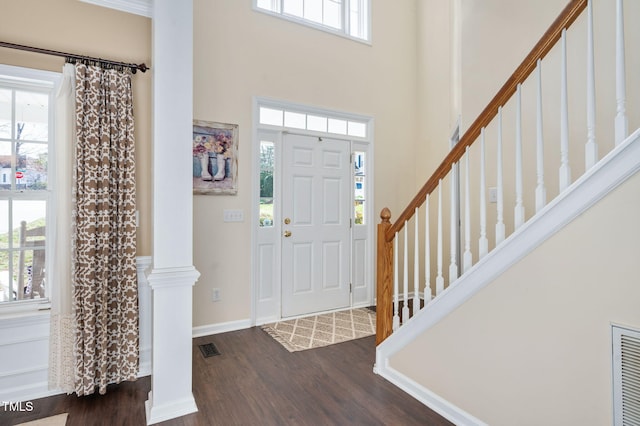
x,y
347,17
267,157
25,141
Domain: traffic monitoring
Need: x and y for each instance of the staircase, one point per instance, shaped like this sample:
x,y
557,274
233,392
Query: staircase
x,y
452,249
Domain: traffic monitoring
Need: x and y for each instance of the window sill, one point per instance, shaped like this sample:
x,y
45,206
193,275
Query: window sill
x,y
17,310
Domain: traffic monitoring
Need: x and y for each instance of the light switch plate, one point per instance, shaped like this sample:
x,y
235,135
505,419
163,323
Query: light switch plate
x,y
233,215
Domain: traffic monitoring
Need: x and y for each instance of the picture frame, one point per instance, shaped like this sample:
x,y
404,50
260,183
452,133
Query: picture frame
x,y
215,158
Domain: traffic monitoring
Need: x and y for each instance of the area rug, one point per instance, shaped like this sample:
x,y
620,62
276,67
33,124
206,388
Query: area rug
x,y
59,420
323,330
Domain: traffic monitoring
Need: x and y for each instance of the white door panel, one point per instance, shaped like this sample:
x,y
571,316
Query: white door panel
x,y
317,204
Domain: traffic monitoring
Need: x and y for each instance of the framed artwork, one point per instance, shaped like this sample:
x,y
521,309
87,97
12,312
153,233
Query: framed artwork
x,y
215,158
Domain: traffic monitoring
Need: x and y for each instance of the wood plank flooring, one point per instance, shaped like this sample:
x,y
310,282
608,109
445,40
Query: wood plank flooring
x,y
255,381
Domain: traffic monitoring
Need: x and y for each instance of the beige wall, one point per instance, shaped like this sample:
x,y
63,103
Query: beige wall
x,y
534,347
240,53
75,27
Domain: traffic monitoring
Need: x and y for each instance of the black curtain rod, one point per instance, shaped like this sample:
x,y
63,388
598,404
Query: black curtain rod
x,y
134,67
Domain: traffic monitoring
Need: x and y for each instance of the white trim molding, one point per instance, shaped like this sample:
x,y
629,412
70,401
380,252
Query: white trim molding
x,y
136,7
223,327
613,170
438,404
144,305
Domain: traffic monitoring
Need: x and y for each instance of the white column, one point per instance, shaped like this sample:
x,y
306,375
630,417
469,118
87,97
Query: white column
x,y
541,192
467,258
621,123
405,276
565,169
483,243
500,232
439,277
591,150
453,225
518,212
172,274
416,263
396,316
427,255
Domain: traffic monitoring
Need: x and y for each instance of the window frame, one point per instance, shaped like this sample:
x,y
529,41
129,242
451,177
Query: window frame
x,y
277,11
28,79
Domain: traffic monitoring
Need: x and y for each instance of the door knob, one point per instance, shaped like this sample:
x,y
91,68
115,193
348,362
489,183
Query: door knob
x,y
287,233
287,221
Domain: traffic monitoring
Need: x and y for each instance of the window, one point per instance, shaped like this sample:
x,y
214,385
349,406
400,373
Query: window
x,y
26,141
267,160
315,122
359,193
345,17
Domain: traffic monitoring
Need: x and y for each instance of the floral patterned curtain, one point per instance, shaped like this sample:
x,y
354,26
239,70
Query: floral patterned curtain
x,y
105,295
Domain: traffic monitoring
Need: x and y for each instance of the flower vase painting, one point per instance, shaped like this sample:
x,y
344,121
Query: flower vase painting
x,y
215,158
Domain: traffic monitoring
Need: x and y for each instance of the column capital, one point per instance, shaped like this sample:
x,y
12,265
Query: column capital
x,y
159,278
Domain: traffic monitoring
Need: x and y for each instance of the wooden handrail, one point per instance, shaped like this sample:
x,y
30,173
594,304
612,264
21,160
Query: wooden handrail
x,y
540,50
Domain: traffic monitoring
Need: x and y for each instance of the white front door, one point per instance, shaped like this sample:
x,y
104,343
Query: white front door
x,y
316,212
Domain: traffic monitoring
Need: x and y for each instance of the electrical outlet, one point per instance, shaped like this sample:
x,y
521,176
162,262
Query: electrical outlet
x,y
215,295
233,215
493,195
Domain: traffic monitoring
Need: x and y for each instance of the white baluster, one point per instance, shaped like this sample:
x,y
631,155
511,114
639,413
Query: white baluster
x,y
416,265
621,124
405,281
453,266
483,243
565,169
439,277
396,317
500,188
427,255
518,212
591,149
541,192
467,258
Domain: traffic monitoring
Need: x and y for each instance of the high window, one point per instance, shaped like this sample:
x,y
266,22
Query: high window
x,y
317,122
344,17
26,143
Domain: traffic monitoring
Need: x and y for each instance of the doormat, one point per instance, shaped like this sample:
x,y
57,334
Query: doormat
x,y
209,350
323,330
59,420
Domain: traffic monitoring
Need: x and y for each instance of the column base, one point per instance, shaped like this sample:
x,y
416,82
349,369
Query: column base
x,y
160,413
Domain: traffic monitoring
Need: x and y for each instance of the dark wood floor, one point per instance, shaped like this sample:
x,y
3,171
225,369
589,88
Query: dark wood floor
x,y
255,381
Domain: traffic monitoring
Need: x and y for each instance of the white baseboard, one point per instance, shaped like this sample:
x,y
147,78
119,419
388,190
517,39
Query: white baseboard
x,y
440,405
144,368
159,413
224,327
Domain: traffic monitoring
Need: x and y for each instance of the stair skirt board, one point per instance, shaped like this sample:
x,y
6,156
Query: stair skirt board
x,y
612,170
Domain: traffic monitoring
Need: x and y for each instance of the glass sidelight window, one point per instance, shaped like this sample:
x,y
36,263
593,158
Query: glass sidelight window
x,y
267,162
359,182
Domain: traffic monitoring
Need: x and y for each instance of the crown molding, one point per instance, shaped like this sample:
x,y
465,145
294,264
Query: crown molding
x,y
137,7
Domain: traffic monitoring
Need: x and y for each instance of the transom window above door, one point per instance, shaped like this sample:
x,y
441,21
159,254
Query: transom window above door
x,y
349,18
312,121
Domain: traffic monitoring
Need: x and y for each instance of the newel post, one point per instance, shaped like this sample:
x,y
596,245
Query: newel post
x,y
384,284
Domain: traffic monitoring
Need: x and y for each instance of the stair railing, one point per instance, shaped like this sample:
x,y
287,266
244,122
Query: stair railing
x,y
396,305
